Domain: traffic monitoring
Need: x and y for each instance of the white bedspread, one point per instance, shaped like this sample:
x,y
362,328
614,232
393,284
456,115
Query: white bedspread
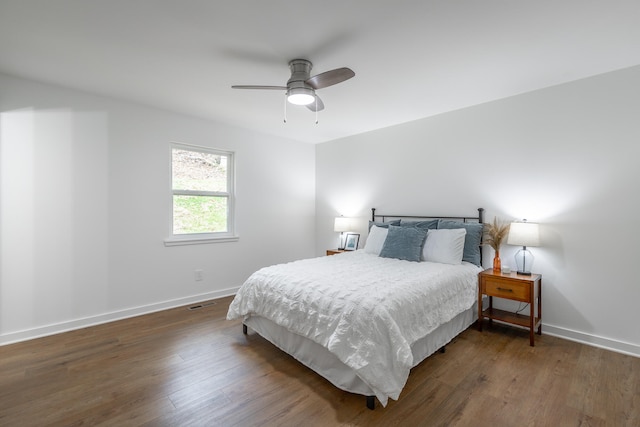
x,y
365,309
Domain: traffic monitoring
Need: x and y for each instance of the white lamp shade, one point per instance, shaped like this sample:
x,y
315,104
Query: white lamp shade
x,y
341,224
524,234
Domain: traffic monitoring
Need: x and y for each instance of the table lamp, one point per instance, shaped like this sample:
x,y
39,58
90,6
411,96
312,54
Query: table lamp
x,y
340,225
524,234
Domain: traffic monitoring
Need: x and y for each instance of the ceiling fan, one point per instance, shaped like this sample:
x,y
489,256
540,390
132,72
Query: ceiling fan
x,y
301,87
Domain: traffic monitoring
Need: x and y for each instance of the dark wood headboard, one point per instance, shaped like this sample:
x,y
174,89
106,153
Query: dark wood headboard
x,y
475,219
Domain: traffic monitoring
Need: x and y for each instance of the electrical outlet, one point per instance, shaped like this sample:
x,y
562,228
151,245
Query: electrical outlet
x,y
198,275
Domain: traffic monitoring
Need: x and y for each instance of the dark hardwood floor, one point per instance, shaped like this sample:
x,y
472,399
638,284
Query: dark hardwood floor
x,y
185,367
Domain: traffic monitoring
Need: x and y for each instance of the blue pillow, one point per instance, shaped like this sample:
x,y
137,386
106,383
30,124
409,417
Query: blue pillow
x,y
404,243
385,224
431,224
472,239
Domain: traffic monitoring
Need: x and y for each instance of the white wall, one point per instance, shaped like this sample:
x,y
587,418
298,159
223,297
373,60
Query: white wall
x,y
85,204
566,157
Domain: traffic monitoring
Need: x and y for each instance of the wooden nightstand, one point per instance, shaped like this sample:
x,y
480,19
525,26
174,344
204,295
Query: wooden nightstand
x,y
334,251
515,287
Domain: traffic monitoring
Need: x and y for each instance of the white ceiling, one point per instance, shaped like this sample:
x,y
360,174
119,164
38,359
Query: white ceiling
x,y
412,59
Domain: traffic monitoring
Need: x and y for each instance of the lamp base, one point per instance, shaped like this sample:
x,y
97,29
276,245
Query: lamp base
x,y
524,261
342,242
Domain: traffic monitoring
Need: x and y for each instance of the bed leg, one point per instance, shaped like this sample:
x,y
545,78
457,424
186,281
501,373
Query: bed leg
x,y
443,349
244,329
371,402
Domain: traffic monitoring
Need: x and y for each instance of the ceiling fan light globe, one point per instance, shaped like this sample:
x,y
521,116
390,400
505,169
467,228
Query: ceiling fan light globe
x,y
301,96
301,99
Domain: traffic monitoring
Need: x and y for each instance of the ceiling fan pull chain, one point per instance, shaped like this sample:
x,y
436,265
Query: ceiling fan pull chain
x,y
316,109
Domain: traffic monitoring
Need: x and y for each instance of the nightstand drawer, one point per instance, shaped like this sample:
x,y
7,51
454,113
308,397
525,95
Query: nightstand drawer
x,y
504,289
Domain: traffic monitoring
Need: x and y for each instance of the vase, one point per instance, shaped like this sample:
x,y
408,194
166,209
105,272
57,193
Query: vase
x,y
497,264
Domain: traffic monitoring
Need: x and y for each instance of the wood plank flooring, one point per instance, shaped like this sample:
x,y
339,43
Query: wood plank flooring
x,y
185,367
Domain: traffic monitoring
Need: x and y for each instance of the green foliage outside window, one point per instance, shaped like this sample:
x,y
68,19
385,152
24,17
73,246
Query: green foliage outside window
x,y
200,192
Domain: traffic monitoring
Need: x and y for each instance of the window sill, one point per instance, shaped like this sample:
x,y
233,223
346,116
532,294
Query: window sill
x,y
198,240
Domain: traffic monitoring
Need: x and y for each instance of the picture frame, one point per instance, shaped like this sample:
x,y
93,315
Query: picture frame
x,y
351,242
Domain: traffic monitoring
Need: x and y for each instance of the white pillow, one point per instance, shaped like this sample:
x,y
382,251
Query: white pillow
x,y
444,246
375,240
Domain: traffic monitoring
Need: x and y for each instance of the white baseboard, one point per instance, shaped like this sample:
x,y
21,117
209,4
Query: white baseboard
x,y
592,340
70,325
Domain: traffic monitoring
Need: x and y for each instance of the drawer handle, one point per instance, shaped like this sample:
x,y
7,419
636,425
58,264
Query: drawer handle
x,y
505,289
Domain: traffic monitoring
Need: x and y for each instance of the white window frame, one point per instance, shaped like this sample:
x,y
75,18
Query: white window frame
x,y
213,237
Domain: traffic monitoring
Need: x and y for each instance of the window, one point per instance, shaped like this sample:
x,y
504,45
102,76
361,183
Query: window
x,y
203,199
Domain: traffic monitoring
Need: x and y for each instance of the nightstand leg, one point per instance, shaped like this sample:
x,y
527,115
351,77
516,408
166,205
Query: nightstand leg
x,y
532,320
540,306
490,310
480,316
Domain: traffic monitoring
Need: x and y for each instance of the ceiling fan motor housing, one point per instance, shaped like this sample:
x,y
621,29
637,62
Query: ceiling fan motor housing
x,y
300,73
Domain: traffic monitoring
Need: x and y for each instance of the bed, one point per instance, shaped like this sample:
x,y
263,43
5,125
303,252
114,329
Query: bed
x,y
362,319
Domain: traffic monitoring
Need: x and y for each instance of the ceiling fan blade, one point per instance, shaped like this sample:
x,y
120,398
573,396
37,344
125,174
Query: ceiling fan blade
x,y
330,78
259,87
316,106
